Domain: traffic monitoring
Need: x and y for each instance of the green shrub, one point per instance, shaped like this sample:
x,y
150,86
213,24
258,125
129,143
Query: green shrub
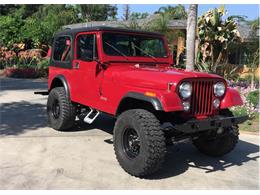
x,y
43,64
10,32
239,111
253,98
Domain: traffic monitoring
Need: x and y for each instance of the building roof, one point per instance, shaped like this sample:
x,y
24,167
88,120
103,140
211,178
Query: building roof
x,y
245,31
178,24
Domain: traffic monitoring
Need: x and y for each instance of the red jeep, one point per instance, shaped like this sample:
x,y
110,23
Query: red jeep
x,y
129,75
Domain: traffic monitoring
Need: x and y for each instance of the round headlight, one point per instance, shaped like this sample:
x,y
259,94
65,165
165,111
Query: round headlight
x,y
219,89
185,90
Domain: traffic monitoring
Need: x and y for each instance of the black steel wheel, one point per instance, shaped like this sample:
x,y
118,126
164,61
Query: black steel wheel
x,y
131,143
56,109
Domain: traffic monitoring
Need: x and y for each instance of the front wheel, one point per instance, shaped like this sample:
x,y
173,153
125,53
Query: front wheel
x,y
221,144
139,142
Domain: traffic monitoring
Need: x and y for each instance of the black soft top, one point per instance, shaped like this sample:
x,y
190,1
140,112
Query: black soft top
x,y
74,31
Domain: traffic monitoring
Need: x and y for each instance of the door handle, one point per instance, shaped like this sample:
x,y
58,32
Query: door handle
x,y
76,65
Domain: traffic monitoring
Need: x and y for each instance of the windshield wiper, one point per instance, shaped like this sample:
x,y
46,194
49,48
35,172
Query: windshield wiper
x,y
146,53
117,50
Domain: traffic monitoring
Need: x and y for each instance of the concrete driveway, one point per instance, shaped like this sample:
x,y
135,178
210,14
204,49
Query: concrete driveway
x,y
34,156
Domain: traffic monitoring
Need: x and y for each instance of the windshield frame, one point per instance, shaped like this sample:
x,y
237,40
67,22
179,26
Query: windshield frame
x,y
161,38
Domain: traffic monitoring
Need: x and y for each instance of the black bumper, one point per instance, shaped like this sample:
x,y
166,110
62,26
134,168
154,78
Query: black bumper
x,y
193,126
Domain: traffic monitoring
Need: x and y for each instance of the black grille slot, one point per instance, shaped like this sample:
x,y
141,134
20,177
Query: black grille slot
x,y
202,97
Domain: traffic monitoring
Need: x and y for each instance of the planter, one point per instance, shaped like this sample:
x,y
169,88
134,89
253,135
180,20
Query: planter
x,y
25,72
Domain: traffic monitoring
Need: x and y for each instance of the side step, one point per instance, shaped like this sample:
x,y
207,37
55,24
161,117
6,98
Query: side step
x,y
91,116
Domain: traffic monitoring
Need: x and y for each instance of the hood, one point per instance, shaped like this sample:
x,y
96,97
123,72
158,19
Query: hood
x,y
153,77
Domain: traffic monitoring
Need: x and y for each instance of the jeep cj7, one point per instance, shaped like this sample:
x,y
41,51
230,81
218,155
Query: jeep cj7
x,y
129,75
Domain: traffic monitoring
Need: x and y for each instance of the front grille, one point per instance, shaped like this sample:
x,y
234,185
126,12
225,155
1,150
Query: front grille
x,y
202,97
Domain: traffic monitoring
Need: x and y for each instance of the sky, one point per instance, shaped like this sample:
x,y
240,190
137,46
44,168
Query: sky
x,y
251,11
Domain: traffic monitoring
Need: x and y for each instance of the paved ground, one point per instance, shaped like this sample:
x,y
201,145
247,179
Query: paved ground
x,y
33,156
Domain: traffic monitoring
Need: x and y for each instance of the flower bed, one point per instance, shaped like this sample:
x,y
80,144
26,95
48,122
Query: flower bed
x,y
25,72
250,107
19,63
7,57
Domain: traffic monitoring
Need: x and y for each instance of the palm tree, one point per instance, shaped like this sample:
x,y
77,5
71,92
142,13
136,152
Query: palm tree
x,y
175,12
216,38
191,36
126,14
253,57
97,12
160,23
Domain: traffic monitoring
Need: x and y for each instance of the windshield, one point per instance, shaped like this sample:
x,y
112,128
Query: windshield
x,y
133,45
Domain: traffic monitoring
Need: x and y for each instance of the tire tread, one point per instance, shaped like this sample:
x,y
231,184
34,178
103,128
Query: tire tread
x,y
68,116
155,140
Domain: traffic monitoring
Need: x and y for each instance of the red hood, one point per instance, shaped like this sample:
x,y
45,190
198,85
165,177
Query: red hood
x,y
152,77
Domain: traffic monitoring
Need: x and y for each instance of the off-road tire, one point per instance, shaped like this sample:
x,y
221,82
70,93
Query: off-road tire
x,y
152,142
66,117
221,145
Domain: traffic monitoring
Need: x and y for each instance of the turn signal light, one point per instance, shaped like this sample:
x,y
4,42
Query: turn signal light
x,y
186,106
150,94
216,103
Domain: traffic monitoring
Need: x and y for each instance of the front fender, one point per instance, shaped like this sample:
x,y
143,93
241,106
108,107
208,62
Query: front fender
x,y
153,100
232,98
168,102
171,102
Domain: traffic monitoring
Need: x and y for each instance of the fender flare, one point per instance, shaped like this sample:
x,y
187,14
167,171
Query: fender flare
x,y
231,98
156,103
64,83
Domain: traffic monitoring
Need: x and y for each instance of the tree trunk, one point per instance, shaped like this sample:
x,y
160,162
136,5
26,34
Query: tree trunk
x,y
197,43
126,13
191,36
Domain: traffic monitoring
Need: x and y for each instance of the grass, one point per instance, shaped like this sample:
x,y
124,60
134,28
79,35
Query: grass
x,y
250,125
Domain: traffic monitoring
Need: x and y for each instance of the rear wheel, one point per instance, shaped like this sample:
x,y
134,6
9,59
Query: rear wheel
x,y
60,111
219,145
139,142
